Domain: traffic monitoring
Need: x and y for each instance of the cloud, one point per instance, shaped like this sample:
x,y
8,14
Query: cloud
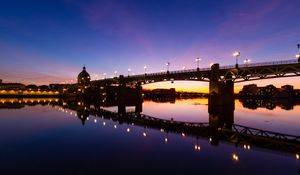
x,y
114,19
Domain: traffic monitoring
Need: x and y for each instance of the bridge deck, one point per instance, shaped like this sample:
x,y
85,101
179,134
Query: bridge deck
x,y
244,72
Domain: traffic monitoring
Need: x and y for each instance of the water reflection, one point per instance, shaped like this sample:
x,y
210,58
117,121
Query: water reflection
x,y
219,127
286,104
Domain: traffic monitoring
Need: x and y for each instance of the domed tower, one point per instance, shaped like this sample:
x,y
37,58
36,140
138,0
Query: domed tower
x,y
83,78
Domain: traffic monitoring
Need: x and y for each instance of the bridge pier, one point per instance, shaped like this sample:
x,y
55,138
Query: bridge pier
x,y
221,100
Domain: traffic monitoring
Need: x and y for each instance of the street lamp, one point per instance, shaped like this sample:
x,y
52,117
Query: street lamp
x,y
168,65
298,55
236,55
145,69
247,61
198,60
129,71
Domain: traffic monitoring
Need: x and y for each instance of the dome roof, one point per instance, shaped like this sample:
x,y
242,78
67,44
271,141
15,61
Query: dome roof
x,y
83,74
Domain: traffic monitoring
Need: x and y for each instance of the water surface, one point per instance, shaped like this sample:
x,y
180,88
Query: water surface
x,y
50,138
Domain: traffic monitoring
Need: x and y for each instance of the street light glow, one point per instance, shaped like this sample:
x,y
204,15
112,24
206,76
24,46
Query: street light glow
x,y
246,61
236,54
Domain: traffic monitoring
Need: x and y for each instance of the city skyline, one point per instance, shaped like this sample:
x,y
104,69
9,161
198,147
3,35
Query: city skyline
x,y
49,42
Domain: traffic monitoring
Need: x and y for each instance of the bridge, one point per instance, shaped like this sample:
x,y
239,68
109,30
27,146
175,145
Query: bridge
x,y
241,73
221,79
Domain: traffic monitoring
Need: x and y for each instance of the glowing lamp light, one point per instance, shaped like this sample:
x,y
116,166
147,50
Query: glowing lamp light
x,y
236,54
103,123
247,61
144,134
183,134
166,140
297,156
247,147
235,157
197,147
128,129
115,126
298,55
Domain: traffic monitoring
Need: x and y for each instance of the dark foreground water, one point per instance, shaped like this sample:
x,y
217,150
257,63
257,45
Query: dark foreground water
x,y
49,138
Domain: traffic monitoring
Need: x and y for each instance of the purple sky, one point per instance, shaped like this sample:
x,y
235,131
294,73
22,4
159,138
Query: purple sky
x,y
49,41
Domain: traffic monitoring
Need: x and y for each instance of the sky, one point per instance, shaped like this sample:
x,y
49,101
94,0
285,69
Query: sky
x,y
49,41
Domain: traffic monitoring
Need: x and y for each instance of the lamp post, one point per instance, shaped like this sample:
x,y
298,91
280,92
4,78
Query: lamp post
x,y
198,60
298,55
236,55
247,61
168,65
129,71
145,69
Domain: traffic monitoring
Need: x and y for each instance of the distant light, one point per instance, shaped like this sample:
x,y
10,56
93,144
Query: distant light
x,y
144,134
210,139
166,140
162,130
235,157
115,126
128,130
198,59
298,55
104,123
183,134
197,147
247,147
246,61
95,120
297,156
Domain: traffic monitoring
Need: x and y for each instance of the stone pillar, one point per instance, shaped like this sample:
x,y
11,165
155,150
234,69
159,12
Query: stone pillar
x,y
221,100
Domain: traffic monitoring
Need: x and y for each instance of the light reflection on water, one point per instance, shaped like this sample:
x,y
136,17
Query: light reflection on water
x,y
37,133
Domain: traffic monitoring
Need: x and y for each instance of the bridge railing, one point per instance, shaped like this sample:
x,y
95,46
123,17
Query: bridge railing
x,y
293,61
272,63
170,72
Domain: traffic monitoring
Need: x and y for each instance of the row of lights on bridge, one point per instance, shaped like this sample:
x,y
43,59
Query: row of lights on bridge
x,y
235,54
